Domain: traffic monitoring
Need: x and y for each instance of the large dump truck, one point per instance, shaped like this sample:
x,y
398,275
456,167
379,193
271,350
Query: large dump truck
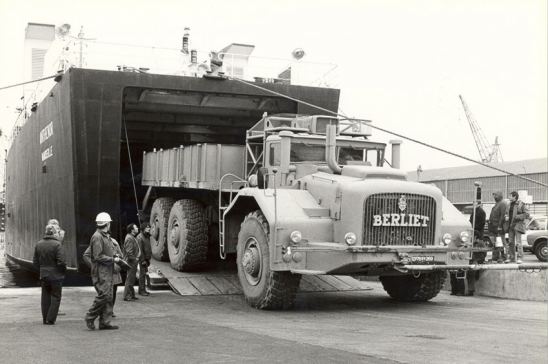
x,y
304,195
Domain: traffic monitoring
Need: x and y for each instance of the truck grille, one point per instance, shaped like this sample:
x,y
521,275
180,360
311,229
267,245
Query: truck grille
x,y
399,219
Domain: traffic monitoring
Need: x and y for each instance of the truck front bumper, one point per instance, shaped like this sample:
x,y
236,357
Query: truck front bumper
x,y
333,258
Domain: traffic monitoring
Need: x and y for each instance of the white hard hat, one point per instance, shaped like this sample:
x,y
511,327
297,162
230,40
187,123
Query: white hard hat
x,y
102,219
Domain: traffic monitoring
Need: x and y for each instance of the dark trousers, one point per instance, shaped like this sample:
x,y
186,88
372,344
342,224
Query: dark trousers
x,y
142,277
114,290
459,286
129,291
51,298
102,304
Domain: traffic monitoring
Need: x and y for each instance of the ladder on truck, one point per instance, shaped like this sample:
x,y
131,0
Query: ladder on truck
x,y
223,207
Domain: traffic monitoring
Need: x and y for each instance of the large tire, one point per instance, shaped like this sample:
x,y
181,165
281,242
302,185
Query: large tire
x,y
187,235
541,250
262,288
159,216
407,288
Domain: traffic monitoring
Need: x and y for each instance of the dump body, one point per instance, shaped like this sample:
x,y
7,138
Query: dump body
x,y
92,117
194,166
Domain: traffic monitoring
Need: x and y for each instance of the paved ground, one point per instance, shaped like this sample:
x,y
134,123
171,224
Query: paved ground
x,y
328,327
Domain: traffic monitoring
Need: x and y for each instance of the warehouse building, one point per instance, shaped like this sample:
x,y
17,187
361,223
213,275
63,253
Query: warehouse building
x,y
457,183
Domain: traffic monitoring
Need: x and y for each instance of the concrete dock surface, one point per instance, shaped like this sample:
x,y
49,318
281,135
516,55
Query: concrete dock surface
x,y
324,327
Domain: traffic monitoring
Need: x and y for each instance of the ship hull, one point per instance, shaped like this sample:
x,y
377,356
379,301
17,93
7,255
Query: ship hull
x,y
71,159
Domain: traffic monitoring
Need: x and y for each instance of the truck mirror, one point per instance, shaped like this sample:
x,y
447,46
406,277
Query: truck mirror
x,y
262,181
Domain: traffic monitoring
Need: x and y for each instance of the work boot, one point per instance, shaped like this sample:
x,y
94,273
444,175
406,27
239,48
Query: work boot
x,y
108,327
90,323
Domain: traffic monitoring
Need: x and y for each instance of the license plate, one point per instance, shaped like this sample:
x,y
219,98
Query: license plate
x,y
422,259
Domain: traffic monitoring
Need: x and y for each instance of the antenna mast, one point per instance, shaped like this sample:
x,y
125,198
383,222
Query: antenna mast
x,y
81,41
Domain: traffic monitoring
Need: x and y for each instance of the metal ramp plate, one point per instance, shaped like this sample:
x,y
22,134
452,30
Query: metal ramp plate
x,y
227,283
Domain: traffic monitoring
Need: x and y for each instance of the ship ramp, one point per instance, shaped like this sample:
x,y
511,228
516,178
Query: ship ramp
x,y
225,281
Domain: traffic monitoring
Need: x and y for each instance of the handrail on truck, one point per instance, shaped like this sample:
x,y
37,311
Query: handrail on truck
x,y
222,208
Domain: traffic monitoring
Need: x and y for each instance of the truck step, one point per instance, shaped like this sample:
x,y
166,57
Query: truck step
x,y
226,282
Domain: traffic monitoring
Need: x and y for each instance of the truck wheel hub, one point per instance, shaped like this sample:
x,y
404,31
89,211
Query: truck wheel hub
x,y
154,231
251,262
175,235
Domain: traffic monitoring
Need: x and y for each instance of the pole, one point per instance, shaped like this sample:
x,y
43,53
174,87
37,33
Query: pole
x,y
80,39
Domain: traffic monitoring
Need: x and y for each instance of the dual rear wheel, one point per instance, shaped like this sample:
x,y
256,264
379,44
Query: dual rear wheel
x,y
179,233
187,235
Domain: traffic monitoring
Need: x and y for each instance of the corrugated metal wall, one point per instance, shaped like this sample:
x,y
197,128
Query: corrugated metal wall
x,y
462,191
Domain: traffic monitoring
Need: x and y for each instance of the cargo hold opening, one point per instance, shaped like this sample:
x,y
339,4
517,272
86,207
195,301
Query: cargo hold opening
x,y
159,118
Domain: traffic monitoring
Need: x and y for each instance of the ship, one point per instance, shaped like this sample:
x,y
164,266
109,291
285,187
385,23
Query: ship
x,y
80,151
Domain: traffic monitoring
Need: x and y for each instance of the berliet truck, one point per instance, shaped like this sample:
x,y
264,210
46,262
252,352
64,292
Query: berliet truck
x,y
244,171
305,194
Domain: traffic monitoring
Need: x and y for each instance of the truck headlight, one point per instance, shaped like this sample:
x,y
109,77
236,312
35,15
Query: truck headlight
x,y
252,180
296,236
465,237
446,239
350,238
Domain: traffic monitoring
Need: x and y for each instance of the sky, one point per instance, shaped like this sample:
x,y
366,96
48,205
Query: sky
x,y
400,63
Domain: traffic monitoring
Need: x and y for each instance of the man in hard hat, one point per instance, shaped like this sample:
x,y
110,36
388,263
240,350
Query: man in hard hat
x,y
116,278
144,260
49,260
131,255
103,259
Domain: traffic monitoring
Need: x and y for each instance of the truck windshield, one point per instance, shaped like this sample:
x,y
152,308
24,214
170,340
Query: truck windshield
x,y
304,152
301,152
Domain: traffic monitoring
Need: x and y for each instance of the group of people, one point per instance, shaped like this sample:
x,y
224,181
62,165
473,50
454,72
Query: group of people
x,y
505,218
508,218
108,262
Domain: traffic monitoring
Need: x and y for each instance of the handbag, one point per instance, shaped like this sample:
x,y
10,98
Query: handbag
x,y
498,242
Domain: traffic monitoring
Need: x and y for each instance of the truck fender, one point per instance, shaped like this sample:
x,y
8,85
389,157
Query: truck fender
x,y
295,210
233,218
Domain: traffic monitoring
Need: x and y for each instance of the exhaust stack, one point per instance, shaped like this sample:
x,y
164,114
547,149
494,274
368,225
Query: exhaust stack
x,y
331,148
396,146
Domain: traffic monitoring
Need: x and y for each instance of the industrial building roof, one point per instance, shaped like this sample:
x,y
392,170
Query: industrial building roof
x,y
523,167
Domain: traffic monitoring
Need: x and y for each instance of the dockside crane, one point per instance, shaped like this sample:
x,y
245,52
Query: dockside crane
x,y
488,153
